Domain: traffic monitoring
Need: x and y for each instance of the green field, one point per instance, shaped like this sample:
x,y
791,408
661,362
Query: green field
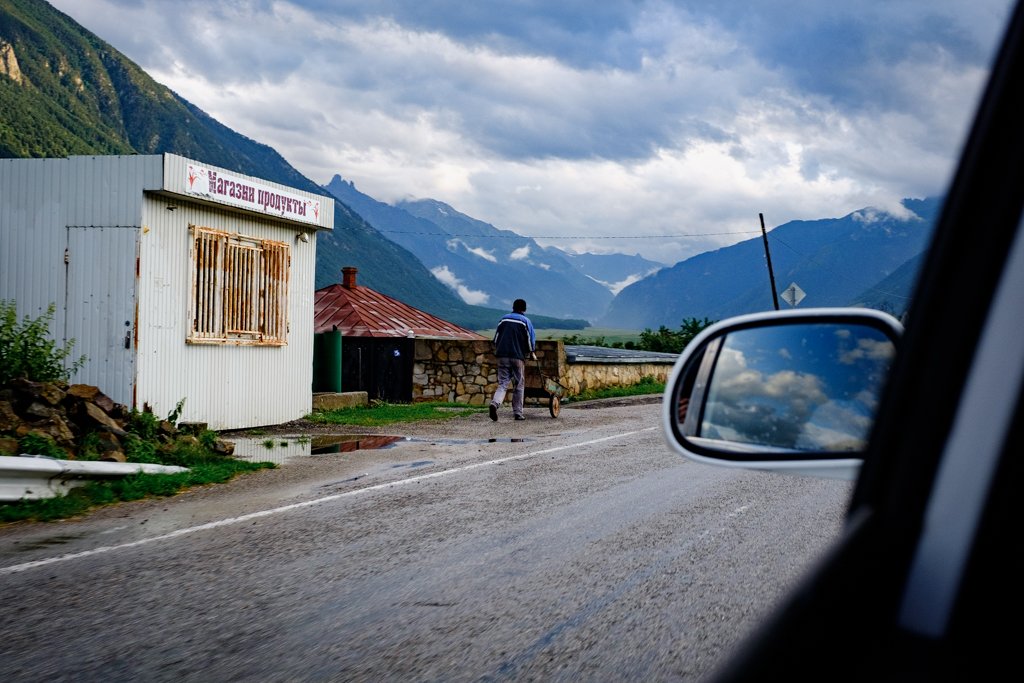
x,y
610,335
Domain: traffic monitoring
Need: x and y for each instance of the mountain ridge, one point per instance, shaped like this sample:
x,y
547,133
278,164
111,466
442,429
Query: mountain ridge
x,y
486,264
66,92
834,260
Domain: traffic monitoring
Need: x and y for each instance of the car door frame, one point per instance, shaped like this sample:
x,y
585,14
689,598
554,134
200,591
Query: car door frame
x,y
848,620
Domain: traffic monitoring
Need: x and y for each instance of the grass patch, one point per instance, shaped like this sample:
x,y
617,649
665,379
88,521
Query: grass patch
x,y
81,499
379,413
605,336
197,453
608,335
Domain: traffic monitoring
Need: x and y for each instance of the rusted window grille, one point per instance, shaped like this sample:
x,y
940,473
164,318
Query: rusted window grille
x,y
239,289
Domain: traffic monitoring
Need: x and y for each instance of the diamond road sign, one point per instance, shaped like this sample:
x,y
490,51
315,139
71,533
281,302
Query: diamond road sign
x,y
793,295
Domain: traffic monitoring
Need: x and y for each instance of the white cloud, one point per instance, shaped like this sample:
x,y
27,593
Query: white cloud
x,y
482,253
456,244
520,253
659,127
616,287
470,296
869,349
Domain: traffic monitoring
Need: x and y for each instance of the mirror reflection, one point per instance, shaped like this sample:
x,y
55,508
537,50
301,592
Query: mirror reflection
x,y
800,387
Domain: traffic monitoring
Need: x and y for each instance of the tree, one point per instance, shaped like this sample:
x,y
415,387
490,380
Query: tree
x,y
690,328
672,341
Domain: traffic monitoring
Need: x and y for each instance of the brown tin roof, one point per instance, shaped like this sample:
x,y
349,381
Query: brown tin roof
x,y
358,311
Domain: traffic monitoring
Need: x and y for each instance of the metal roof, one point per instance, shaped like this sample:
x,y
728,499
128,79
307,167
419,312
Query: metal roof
x,y
599,354
358,311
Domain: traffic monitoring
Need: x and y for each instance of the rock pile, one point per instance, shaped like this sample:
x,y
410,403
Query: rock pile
x,y
68,413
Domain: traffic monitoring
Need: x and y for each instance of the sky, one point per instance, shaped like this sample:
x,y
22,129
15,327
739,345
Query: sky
x,y
661,127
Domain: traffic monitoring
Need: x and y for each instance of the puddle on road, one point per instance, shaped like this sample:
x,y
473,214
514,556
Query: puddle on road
x,y
464,441
345,443
280,449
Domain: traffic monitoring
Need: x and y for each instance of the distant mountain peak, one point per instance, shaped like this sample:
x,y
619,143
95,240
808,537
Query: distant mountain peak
x,y
836,261
482,264
872,214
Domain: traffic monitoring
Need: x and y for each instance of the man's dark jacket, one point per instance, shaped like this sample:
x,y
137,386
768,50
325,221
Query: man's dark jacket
x,y
514,337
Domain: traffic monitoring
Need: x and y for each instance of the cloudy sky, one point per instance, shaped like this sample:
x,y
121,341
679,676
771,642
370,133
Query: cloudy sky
x,y
659,127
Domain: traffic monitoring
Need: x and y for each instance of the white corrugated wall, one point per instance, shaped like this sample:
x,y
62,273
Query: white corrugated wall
x,y
127,283
227,385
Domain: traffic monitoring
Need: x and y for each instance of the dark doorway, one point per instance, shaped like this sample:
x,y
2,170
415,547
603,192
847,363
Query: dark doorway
x,y
382,367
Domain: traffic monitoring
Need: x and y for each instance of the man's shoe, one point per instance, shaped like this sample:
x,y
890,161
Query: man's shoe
x,y
492,410
520,417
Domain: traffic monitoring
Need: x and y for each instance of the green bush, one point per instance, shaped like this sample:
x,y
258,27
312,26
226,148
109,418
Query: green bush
x,y
208,439
38,444
662,340
137,449
143,424
672,341
27,351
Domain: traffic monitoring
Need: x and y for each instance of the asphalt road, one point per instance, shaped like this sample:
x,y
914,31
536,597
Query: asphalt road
x,y
575,548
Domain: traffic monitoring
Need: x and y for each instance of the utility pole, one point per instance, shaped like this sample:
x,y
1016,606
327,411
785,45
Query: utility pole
x,y
768,255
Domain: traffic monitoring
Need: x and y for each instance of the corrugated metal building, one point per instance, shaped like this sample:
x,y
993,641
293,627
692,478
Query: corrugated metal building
x,y
177,280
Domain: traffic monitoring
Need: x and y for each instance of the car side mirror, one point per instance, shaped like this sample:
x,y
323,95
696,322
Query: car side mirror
x,y
792,391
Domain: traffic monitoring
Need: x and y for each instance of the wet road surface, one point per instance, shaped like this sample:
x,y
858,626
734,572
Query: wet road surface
x,y
575,548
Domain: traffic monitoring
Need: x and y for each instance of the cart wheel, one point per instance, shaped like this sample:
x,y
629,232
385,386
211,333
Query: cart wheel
x,y
555,406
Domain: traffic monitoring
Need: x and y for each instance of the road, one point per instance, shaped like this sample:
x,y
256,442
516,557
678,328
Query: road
x,y
575,548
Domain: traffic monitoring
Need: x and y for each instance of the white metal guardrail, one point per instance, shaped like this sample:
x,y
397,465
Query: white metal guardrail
x,y
29,477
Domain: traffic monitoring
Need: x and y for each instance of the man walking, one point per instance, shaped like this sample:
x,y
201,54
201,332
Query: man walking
x,y
514,340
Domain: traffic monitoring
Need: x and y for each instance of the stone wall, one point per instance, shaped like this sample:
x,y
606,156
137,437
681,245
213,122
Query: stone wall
x,y
458,371
461,371
580,377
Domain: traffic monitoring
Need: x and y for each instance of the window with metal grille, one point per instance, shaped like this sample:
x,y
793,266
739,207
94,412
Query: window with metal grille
x,y
239,289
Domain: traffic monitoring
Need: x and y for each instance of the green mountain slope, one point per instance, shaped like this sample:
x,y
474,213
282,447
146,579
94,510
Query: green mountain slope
x,y
65,92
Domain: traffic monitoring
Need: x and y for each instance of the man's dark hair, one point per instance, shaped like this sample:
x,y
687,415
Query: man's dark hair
x,y
519,306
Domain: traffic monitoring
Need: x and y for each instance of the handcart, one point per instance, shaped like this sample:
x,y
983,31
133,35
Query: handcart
x,y
549,388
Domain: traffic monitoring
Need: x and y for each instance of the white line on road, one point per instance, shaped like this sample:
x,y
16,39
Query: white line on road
x,y
309,503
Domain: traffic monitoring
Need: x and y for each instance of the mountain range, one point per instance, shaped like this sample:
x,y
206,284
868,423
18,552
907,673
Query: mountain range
x,y
63,91
866,258
487,265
